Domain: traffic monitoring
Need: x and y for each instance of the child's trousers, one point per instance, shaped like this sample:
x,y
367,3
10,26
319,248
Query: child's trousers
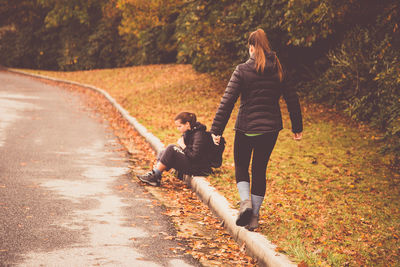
x,y
174,157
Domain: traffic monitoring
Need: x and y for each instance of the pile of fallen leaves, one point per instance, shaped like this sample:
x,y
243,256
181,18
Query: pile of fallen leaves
x,y
331,199
197,227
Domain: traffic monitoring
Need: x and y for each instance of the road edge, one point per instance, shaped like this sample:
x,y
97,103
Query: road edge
x,y
256,244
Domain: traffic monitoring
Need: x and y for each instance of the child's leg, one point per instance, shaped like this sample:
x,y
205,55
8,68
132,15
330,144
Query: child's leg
x,y
174,157
154,177
159,168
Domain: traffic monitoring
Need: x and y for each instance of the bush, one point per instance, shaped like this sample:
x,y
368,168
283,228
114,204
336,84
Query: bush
x,y
363,77
342,53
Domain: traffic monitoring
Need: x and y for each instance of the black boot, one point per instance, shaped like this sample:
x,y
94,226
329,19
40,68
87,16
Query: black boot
x,y
245,213
150,178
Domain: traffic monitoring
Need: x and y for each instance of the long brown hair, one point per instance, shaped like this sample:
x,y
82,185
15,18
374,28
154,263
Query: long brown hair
x,y
185,117
260,42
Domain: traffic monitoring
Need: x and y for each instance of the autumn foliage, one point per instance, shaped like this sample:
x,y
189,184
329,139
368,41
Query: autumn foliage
x,y
342,53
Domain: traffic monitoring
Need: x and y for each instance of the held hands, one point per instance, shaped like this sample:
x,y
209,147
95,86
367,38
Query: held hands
x,y
216,139
181,143
297,136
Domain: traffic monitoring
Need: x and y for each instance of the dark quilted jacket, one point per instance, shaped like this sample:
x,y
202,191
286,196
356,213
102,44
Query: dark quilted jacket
x,y
259,110
197,144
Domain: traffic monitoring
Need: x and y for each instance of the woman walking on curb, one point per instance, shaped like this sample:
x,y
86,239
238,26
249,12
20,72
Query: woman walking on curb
x,y
260,83
189,156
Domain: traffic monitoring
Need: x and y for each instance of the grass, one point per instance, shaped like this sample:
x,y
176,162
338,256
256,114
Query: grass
x,y
330,201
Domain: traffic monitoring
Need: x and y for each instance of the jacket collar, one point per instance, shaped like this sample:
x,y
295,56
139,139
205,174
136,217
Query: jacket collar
x,y
270,63
251,58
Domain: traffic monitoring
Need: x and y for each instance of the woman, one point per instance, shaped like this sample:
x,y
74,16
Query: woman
x,y
188,157
260,83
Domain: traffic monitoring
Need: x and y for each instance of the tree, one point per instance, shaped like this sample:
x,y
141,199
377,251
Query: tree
x,y
148,26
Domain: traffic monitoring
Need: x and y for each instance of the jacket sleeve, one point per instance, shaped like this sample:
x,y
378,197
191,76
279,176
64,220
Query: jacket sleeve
x,y
199,146
293,106
227,103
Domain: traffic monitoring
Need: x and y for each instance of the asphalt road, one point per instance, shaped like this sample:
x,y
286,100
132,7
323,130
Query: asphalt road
x,y
65,194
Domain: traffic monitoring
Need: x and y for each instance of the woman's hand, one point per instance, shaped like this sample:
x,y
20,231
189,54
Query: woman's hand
x,y
297,136
181,143
216,139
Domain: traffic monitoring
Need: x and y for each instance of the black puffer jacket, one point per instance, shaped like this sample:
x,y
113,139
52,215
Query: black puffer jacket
x,y
259,110
197,144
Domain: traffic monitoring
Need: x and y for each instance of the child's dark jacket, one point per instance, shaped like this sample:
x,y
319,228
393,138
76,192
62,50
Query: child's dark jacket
x,y
197,145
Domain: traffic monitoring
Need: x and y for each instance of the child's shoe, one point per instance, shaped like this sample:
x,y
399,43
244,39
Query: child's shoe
x,y
150,178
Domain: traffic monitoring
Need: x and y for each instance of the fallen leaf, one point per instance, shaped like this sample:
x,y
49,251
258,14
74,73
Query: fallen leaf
x,y
279,249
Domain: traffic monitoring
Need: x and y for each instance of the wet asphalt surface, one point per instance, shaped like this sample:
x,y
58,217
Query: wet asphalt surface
x,y
65,193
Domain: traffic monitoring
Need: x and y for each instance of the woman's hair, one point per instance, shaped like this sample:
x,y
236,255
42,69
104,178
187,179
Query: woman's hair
x,y
185,117
261,44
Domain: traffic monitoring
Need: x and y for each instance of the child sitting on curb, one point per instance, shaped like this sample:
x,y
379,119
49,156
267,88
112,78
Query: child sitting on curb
x,y
189,156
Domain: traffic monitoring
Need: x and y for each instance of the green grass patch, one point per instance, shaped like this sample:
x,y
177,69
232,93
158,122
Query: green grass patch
x,y
331,199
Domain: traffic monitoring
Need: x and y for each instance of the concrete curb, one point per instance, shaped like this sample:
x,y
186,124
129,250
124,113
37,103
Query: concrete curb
x,y
256,244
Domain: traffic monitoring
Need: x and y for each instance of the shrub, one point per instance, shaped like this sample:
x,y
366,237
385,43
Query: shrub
x,y
363,77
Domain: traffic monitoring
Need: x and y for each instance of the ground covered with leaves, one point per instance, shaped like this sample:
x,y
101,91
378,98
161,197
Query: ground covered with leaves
x,y
199,232
331,199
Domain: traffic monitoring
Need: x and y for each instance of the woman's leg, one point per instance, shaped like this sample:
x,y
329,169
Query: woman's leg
x,y
263,146
242,154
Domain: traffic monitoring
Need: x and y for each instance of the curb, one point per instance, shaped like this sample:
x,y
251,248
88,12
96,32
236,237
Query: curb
x,y
256,244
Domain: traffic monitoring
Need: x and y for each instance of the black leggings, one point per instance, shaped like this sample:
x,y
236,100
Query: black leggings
x,y
261,146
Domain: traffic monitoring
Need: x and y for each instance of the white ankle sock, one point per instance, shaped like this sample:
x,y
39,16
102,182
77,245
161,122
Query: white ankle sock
x,y
157,172
244,190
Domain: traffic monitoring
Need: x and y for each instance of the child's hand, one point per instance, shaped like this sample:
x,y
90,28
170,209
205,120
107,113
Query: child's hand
x,y
181,143
216,139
